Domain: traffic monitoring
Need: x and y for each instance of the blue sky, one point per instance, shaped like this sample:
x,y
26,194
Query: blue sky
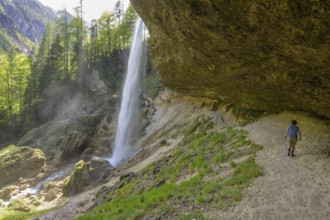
x,y
92,8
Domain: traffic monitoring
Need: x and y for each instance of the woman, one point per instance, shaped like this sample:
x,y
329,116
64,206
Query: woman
x,y
292,134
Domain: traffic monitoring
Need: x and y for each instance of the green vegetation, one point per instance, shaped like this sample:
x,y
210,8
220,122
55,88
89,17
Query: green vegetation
x,y
17,215
8,150
208,168
60,67
14,73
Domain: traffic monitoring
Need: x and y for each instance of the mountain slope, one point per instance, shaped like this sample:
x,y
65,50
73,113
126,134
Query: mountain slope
x,y
22,24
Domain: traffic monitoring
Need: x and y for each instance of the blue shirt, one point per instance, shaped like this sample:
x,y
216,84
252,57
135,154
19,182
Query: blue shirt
x,y
293,131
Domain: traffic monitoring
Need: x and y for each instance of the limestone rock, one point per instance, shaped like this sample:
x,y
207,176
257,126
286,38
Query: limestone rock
x,y
7,192
256,55
77,181
51,194
85,174
20,162
74,144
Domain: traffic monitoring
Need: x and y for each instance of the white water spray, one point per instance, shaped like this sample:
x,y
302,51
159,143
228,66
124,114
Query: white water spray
x,y
129,115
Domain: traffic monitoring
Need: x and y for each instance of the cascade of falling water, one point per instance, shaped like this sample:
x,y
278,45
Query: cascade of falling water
x,y
129,116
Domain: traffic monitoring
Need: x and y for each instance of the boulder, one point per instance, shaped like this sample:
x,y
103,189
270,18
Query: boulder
x,y
98,163
7,192
86,174
20,162
51,194
78,179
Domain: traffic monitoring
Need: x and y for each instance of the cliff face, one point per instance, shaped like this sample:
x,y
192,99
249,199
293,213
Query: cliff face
x,y
258,55
22,23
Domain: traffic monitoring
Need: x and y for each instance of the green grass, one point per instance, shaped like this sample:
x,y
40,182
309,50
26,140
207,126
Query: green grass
x,y
191,175
192,215
7,213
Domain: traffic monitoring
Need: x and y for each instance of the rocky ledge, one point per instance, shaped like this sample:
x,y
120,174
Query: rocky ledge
x,y
257,55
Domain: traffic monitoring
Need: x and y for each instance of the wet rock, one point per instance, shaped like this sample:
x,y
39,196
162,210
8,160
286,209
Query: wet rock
x,y
74,144
98,163
7,192
78,179
20,162
2,203
51,194
86,174
20,205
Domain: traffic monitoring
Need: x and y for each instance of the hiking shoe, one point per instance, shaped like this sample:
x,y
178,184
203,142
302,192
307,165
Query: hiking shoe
x,y
292,155
288,153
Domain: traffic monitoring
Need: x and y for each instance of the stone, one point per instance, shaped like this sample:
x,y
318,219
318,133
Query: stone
x,y
77,180
7,192
128,176
74,144
51,194
20,162
98,163
20,205
86,174
159,183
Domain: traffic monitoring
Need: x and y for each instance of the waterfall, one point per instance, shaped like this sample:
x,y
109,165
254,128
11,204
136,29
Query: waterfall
x,y
129,115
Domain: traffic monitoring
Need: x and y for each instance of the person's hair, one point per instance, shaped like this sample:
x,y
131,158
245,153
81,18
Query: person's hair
x,y
294,122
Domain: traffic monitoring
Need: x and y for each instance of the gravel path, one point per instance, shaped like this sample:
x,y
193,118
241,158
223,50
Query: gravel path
x,y
295,188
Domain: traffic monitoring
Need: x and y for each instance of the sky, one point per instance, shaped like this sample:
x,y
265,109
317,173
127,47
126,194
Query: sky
x,y
92,9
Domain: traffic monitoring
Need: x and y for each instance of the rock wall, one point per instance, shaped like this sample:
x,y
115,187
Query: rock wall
x,y
258,55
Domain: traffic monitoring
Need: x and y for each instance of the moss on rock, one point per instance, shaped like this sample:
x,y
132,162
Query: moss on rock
x,y
20,162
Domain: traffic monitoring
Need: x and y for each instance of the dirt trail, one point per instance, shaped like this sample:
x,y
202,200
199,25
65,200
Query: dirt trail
x,y
291,188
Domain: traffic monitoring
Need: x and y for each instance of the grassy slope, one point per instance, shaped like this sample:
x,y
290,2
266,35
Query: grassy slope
x,y
208,170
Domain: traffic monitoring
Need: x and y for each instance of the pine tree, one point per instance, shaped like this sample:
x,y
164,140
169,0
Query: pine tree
x,y
53,73
63,31
106,24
